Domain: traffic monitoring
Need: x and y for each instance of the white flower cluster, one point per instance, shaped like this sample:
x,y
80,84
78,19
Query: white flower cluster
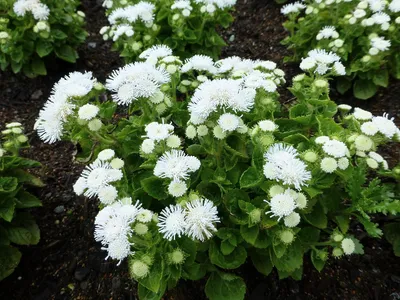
x,y
156,52
97,178
56,110
177,166
291,8
136,80
184,6
378,44
157,132
197,220
210,6
283,204
321,61
283,164
327,32
338,154
39,10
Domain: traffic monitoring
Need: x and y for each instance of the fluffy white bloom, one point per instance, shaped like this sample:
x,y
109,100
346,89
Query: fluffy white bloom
x,y
143,11
201,214
88,112
123,29
220,93
228,122
348,246
339,68
177,188
292,8
56,110
158,131
394,6
218,3
199,63
321,60
144,216
108,194
307,63
292,220
385,125
79,186
377,5
282,164
39,10
369,128
171,222
380,43
228,64
328,32
173,141
98,175
372,163
267,125
322,139
335,148
147,146
135,80
343,163
156,52
282,205
301,201
117,163
182,5
219,133
329,165
376,156
118,249
363,143
344,107
191,132
176,165
266,64
106,154
361,114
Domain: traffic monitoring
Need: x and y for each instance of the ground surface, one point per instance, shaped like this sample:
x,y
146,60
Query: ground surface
x,y
68,264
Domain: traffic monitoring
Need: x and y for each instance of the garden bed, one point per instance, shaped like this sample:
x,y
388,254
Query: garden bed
x,y
69,264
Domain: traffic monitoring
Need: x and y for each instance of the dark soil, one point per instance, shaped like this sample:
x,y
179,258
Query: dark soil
x,y
69,264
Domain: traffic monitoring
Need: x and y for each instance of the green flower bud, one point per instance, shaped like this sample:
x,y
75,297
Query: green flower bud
x,y
337,237
176,257
286,236
255,216
337,252
141,229
138,269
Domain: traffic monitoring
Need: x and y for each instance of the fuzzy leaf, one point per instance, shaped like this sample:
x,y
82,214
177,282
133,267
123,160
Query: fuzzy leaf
x,y
222,286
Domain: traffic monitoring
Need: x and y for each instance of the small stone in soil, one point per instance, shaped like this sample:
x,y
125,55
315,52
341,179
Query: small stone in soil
x,y
81,273
36,95
59,209
84,285
116,283
92,45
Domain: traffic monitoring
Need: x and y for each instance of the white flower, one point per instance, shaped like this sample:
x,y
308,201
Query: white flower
x,y
307,63
143,11
372,163
117,163
177,188
339,68
108,194
228,122
172,222
344,107
376,5
39,10
328,32
202,130
140,79
329,165
335,148
201,214
144,215
282,164
380,18
118,249
147,146
376,156
267,125
343,163
361,114
176,165
158,131
369,128
191,132
173,141
322,60
282,205
394,6
95,125
156,52
363,143
292,220
348,246
292,8
301,201
220,93
385,125
199,63
106,154
380,43
182,5
80,186
88,112
322,139
219,133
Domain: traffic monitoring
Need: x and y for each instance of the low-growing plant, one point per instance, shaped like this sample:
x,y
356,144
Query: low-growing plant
x,y
31,30
201,167
186,26
17,226
365,34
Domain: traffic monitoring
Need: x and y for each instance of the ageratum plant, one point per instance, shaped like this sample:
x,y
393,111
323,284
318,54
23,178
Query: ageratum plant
x,y
186,26
201,168
365,34
17,226
32,30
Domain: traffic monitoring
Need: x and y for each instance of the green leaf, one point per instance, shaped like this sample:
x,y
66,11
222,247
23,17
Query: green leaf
x,y
364,89
8,184
316,261
58,34
291,260
250,178
309,235
146,294
392,234
154,280
236,145
38,66
223,286
9,260
43,48
189,35
343,84
196,150
7,207
231,261
371,228
381,77
11,162
154,186
25,177
317,217
27,200
66,53
15,66
23,230
343,222
262,262
328,126
226,247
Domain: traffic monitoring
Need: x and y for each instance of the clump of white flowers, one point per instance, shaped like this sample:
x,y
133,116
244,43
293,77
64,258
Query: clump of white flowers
x,y
39,10
320,61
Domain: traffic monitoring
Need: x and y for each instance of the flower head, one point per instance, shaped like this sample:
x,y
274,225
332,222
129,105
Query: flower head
x,y
176,165
172,222
282,205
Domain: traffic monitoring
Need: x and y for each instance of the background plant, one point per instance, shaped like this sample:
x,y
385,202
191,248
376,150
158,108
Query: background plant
x,y
186,26
202,167
17,226
365,34
31,30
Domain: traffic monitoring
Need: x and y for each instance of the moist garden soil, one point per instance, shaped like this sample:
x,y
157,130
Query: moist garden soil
x,y
69,264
